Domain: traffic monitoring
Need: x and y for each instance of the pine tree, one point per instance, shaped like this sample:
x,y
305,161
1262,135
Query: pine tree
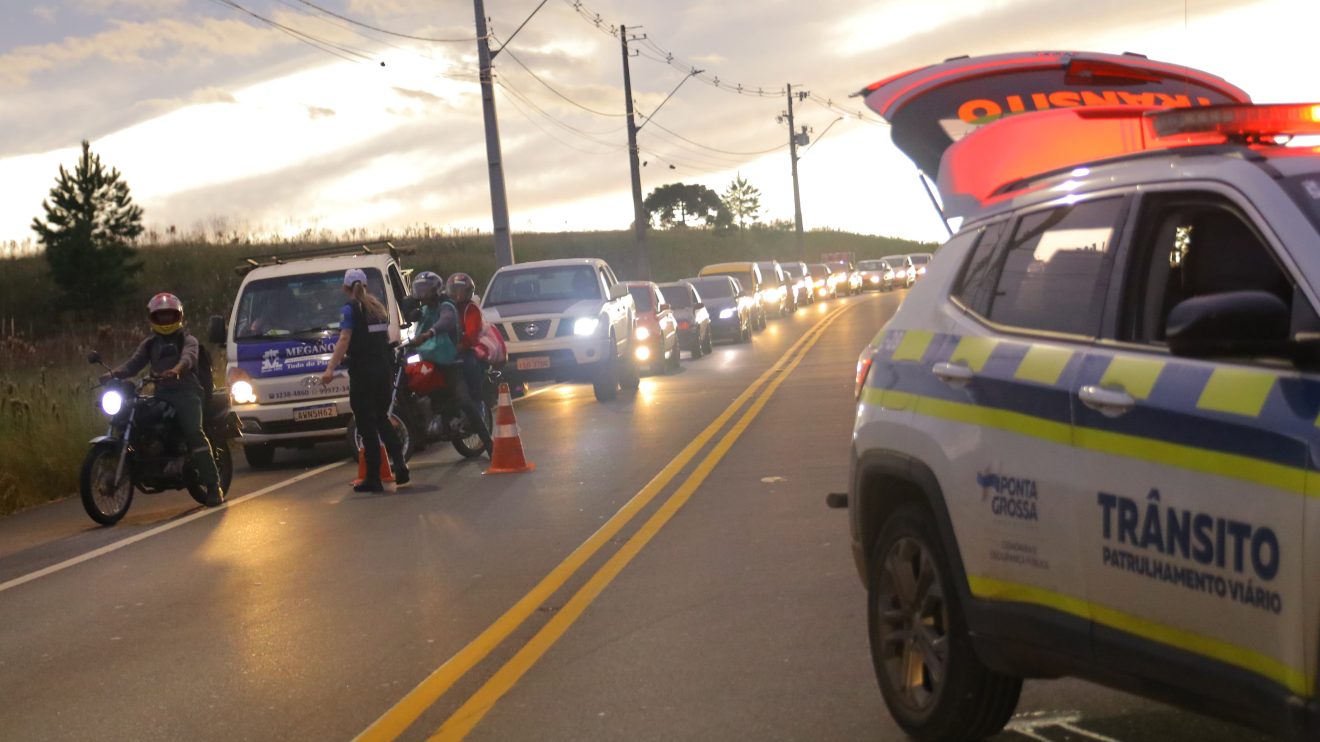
x,y
743,200
90,223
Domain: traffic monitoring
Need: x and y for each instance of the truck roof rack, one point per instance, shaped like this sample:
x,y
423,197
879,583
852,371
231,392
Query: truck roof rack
x,y
352,248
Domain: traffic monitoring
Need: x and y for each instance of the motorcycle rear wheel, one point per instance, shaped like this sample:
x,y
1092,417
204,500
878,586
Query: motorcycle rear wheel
x,y
105,500
224,464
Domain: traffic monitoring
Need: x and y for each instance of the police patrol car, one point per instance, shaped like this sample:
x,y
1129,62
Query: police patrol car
x,y
1087,442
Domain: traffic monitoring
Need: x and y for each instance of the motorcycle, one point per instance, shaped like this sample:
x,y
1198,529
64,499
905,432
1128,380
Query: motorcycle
x,y
144,450
431,413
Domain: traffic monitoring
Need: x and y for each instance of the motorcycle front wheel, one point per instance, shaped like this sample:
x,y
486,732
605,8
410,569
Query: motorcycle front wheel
x,y
470,446
104,499
400,428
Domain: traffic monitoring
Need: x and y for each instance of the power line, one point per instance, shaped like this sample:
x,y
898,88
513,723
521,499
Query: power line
x,y
554,90
345,53
504,83
513,100
377,29
717,149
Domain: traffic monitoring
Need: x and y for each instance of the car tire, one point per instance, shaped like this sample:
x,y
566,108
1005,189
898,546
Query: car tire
x,y
630,376
914,615
605,382
745,333
707,345
258,455
675,359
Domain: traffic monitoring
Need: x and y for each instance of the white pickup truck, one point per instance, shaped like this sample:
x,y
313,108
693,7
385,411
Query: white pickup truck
x,y
565,320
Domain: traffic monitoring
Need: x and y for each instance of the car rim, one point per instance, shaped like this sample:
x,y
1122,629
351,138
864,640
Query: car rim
x,y
913,628
109,499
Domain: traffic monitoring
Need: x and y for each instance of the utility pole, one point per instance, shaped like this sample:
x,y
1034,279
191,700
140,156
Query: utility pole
x,y
499,202
794,140
642,259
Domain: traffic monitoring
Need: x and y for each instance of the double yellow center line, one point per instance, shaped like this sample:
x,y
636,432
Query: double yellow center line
x,y
397,720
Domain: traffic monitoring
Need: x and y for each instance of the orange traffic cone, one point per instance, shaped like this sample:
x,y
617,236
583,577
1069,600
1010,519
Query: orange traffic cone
x,y
507,458
386,472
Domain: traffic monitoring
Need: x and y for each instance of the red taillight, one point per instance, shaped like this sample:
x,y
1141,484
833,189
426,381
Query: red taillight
x,y
863,370
683,325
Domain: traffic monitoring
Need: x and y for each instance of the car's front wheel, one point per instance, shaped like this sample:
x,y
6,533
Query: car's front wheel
x,y
605,382
935,686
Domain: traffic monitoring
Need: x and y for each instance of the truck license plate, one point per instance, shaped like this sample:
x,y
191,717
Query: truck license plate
x,y
320,412
533,363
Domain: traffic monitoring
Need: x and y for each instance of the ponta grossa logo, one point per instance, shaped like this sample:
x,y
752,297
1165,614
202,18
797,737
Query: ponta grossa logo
x,y
1009,497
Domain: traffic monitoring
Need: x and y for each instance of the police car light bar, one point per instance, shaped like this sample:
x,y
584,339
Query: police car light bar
x,y
1249,122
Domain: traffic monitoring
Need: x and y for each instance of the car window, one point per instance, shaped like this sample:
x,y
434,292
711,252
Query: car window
x,y
920,259
744,278
976,284
677,297
1197,244
713,287
871,265
543,284
1055,269
641,297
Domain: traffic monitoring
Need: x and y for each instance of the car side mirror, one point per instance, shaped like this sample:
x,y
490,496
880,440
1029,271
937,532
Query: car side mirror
x,y
1229,324
410,308
618,291
699,305
665,308
215,330
93,358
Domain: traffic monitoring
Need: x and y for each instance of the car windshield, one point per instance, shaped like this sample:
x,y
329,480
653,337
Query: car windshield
x,y
543,284
920,259
793,270
641,297
291,306
713,287
898,261
1305,190
872,265
677,296
768,272
819,271
744,277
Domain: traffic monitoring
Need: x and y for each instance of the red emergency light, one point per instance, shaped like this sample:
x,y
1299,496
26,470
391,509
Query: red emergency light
x,y
1002,159
1254,123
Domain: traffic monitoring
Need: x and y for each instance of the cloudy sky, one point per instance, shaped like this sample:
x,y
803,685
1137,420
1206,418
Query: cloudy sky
x,y
219,119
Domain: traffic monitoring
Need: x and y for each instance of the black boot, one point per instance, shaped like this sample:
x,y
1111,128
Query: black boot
x,y
401,473
369,485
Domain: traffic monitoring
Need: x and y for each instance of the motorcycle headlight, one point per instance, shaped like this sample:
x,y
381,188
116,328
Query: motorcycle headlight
x,y
242,392
586,326
112,402
728,313
643,333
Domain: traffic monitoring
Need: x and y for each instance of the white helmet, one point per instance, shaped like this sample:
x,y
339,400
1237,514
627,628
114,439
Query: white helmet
x,y
426,285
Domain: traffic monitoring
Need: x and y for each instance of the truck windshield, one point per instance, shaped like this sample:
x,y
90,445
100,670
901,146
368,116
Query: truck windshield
x,y
291,306
544,284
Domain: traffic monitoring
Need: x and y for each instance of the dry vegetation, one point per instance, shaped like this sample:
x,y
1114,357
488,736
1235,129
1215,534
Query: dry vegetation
x,y
47,404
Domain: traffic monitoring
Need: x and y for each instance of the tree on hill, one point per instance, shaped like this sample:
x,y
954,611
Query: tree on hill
x,y
673,205
90,223
743,201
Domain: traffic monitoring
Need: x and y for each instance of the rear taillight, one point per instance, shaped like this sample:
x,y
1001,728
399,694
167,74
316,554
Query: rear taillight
x,y
864,363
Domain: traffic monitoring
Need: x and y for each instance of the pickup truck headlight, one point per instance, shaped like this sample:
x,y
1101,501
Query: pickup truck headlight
x,y
586,326
728,313
242,392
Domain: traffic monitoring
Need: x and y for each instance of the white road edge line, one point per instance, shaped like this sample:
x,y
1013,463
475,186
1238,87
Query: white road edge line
x,y
116,546
102,551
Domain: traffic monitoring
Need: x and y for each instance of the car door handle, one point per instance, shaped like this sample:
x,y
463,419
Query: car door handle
x,y
1112,402
953,373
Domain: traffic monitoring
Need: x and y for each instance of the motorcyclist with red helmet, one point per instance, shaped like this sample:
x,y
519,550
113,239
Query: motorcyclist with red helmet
x,y
460,289
171,353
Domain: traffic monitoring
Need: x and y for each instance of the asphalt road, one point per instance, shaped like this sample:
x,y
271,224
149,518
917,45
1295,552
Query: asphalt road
x,y
669,571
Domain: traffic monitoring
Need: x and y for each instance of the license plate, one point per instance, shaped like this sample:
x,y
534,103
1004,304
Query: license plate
x,y
533,363
320,412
